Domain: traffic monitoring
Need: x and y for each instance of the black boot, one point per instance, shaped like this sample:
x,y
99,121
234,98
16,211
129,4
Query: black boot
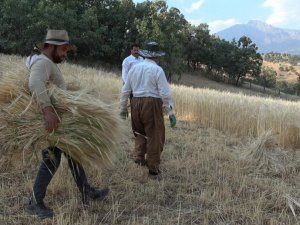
x,y
51,161
39,209
91,193
87,192
140,160
155,174
96,194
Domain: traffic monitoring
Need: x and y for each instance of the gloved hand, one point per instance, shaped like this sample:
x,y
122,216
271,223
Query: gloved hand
x,y
51,118
172,119
124,114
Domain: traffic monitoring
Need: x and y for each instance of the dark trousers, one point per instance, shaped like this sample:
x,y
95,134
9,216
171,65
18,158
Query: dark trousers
x,y
50,164
149,130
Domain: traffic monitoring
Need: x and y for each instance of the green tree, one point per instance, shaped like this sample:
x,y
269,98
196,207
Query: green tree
x,y
284,86
267,78
154,21
297,85
199,46
221,51
17,34
294,60
244,60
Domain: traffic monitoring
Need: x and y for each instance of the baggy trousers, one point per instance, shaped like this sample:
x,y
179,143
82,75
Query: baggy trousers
x,y
50,164
148,128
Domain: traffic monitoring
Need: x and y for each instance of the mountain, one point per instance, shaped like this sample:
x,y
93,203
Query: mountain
x,y
266,37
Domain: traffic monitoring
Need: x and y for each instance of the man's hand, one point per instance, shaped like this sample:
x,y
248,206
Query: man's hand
x,y
51,119
124,114
172,119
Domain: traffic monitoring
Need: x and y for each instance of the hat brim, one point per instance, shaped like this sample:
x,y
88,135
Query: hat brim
x,y
71,47
150,54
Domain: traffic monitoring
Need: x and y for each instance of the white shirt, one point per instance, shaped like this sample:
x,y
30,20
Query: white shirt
x,y
147,79
128,63
30,59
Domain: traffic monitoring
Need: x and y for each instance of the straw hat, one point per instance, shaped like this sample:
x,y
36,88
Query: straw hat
x,y
57,37
151,50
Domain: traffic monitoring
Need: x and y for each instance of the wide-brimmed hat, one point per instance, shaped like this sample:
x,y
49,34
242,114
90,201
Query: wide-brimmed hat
x,y
151,50
57,37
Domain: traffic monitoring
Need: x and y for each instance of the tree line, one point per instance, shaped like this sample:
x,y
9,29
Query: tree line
x,y
104,29
282,57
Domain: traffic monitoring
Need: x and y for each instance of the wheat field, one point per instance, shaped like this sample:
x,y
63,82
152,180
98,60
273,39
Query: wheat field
x,y
231,159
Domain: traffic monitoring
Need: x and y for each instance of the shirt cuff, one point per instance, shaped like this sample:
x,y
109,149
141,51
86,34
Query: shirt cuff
x,y
169,110
44,105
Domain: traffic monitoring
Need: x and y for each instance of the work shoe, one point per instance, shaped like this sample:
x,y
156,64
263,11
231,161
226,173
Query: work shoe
x,y
155,175
95,194
140,160
154,172
39,209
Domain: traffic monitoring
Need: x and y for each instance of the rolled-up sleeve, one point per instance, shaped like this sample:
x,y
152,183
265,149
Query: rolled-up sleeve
x,y
125,69
126,90
164,91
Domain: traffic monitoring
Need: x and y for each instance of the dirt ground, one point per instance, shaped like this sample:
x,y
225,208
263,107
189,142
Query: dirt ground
x,y
209,177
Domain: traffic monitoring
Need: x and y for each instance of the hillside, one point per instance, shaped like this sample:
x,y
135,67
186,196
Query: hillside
x,y
197,80
288,76
266,37
231,159
284,70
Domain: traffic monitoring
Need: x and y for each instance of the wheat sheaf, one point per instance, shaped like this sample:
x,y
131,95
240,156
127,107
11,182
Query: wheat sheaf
x,y
89,131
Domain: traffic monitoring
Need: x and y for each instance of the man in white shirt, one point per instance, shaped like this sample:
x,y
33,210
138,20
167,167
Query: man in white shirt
x,y
151,94
131,60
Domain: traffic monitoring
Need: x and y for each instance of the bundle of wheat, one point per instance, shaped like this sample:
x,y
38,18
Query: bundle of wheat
x,y
89,130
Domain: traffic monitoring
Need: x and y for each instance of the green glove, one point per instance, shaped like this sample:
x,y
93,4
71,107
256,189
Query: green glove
x,y
172,119
124,114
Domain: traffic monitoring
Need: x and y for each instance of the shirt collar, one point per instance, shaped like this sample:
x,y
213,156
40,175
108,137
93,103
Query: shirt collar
x,y
150,60
135,57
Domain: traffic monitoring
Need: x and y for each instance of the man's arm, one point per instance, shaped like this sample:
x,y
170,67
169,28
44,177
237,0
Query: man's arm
x,y
125,68
39,76
165,91
126,90
51,118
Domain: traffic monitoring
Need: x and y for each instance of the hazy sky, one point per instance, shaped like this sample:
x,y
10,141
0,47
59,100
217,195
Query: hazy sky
x,y
220,14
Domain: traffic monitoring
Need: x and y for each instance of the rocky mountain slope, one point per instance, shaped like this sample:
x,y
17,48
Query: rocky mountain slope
x,y
268,38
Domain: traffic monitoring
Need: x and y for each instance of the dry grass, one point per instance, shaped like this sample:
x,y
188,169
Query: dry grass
x,y
290,76
245,116
89,130
209,176
198,80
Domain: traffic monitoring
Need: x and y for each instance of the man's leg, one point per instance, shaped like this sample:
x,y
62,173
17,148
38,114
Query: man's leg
x,y
140,145
81,181
153,120
51,161
139,150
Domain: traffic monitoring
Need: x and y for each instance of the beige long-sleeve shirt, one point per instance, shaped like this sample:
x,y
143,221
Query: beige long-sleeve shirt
x,y
42,72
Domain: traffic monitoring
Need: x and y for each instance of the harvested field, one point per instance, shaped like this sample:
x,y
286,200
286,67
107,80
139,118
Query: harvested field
x,y
231,159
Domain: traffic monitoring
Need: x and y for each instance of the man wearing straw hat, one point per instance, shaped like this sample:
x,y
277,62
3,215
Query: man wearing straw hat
x,y
151,93
44,70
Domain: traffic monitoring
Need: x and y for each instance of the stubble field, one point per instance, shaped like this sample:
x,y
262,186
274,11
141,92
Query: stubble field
x,y
232,159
